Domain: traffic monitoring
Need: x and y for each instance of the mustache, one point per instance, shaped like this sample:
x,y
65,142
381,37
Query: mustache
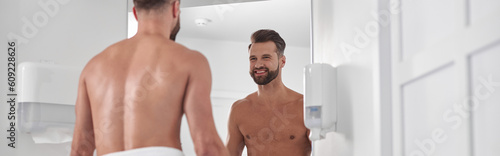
x,y
261,68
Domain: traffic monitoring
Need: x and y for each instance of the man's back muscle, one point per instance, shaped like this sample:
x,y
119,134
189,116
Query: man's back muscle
x,y
136,89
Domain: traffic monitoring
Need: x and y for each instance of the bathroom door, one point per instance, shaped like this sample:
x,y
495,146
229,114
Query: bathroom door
x,y
446,78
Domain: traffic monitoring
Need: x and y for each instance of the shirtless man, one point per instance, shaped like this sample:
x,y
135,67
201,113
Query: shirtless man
x,y
131,96
270,121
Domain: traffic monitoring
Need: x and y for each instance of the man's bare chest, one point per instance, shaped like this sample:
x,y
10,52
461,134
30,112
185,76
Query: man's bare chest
x,y
283,124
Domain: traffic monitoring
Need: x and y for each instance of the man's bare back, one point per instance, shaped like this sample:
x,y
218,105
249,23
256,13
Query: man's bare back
x,y
133,94
271,131
137,91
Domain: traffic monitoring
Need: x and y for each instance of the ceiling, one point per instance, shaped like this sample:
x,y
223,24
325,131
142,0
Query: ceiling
x,y
236,20
195,3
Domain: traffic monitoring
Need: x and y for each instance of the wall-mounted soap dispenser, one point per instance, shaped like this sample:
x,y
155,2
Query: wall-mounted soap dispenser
x,y
320,106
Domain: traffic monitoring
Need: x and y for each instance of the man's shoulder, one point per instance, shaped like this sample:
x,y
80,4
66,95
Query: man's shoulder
x,y
101,59
94,62
107,52
295,95
184,54
243,103
237,105
196,56
159,43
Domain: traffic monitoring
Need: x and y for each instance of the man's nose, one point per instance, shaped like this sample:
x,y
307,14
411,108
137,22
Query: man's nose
x,y
258,64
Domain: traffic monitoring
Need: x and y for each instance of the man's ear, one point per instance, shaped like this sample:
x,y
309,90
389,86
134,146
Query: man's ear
x,y
135,13
176,8
283,61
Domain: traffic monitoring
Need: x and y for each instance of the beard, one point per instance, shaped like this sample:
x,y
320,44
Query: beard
x,y
265,79
176,30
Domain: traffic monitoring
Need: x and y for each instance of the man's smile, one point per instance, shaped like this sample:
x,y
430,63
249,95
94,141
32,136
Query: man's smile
x,y
260,72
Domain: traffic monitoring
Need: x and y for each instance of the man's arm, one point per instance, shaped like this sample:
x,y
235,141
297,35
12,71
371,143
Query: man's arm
x,y
308,132
83,138
198,109
235,143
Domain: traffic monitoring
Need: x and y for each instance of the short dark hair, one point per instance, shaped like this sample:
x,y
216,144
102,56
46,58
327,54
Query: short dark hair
x,y
151,4
265,35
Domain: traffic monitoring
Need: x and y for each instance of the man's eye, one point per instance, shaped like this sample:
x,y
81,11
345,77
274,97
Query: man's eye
x,y
253,59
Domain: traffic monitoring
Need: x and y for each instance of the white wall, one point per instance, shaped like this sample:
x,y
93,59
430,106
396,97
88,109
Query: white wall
x,y
341,40
485,129
66,32
231,81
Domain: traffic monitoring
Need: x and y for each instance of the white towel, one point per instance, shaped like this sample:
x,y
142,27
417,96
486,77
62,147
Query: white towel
x,y
149,151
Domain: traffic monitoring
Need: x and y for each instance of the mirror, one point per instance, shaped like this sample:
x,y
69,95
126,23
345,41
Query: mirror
x,y
222,33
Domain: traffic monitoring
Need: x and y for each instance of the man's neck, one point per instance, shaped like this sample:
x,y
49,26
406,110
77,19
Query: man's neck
x,y
272,92
154,26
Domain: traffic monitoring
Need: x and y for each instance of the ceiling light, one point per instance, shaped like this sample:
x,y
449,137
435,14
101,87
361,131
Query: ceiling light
x,y
201,22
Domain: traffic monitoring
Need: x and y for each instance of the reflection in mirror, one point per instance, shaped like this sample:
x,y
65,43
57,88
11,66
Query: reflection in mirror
x,y
222,33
